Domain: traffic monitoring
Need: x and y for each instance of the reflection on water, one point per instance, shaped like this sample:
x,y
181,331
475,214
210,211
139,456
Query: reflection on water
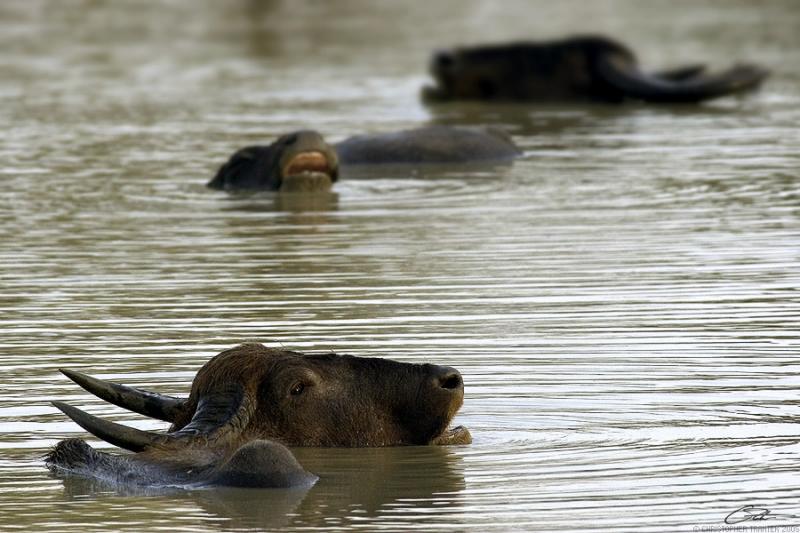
x,y
354,486
622,301
360,486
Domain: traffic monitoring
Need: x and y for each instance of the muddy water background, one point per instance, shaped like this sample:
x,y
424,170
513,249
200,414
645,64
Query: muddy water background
x,y
623,302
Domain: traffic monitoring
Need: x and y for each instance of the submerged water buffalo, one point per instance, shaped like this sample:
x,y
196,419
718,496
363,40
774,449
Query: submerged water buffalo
x,y
250,402
585,68
302,161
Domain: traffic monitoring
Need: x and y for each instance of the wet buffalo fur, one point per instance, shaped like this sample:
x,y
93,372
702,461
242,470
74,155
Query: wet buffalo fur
x,y
326,399
590,68
250,402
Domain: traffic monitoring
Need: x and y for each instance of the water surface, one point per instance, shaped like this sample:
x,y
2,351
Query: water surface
x,y
623,302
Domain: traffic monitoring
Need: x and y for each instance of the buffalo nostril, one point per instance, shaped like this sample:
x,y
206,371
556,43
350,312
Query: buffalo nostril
x,y
450,381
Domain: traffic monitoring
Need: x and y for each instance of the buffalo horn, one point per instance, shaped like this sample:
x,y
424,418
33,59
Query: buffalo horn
x,y
681,73
620,73
162,407
131,439
226,408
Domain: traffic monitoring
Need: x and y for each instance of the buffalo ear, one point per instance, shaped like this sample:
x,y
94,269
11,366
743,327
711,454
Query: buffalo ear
x,y
620,73
249,168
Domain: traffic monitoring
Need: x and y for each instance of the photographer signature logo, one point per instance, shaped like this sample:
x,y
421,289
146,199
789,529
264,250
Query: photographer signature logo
x,y
756,513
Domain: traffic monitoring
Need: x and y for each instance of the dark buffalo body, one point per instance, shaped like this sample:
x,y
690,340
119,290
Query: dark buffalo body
x,y
590,68
248,403
428,145
259,463
304,162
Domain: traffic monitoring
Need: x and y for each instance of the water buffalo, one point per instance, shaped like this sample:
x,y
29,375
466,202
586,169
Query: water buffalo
x,y
585,68
250,402
302,161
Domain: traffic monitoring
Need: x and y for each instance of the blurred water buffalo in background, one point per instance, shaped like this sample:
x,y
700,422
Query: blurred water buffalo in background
x,y
589,68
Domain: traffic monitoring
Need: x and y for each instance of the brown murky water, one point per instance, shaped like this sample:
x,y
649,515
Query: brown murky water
x,y
623,302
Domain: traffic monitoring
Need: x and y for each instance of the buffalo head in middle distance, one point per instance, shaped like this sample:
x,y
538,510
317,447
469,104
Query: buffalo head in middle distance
x,y
303,161
249,402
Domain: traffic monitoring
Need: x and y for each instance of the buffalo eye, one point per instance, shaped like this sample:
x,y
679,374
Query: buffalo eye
x,y
297,389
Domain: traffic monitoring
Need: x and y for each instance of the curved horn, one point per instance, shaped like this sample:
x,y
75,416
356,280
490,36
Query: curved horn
x,y
131,439
226,408
681,73
166,408
620,73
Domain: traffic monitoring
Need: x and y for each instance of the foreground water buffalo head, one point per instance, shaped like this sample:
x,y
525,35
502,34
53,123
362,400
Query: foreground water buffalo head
x,y
301,161
248,402
578,68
